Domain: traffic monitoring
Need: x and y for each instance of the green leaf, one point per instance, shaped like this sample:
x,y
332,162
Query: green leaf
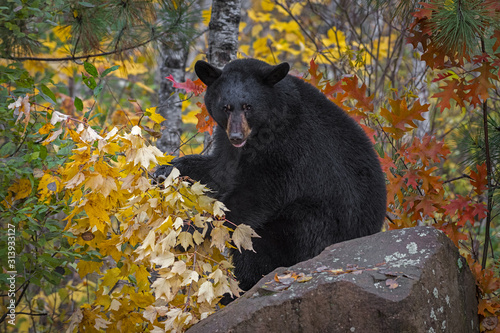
x,y
89,82
109,70
86,4
47,92
7,149
78,104
97,90
90,69
45,97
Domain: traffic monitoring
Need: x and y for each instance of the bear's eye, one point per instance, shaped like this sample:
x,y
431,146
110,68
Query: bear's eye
x,y
247,107
226,108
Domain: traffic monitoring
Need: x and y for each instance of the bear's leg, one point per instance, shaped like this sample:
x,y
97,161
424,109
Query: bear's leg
x,y
197,167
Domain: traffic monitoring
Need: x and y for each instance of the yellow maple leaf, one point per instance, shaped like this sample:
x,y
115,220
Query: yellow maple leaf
x,y
97,214
75,181
142,299
87,267
111,277
156,117
142,276
219,237
21,188
206,292
185,239
45,129
242,237
52,137
189,277
178,267
103,300
162,288
49,184
267,5
164,260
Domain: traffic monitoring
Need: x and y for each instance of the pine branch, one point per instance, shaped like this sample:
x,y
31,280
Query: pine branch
x,y
87,56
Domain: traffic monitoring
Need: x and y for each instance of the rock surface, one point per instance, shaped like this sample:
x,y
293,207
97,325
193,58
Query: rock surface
x,y
409,280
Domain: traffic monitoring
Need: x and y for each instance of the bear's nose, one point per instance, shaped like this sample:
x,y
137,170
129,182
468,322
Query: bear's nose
x,y
236,137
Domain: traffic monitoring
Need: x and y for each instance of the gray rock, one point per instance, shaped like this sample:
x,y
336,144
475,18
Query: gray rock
x,y
409,280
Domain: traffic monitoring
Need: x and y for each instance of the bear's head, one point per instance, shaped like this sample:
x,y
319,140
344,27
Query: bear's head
x,y
241,97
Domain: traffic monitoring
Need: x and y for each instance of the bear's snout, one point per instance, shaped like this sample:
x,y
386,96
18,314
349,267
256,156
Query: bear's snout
x,y
238,129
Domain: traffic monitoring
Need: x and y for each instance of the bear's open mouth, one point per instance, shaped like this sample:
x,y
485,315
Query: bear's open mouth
x,y
238,143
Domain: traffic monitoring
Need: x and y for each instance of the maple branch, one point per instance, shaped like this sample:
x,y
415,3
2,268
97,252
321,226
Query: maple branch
x,y
32,314
457,178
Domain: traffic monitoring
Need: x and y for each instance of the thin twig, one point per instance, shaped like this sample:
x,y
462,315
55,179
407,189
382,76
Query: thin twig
x,y
488,177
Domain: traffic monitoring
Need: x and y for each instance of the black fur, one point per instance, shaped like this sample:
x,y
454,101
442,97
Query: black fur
x,y
307,176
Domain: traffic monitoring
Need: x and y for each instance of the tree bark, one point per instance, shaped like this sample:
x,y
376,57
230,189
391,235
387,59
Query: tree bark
x,y
172,60
223,32
222,38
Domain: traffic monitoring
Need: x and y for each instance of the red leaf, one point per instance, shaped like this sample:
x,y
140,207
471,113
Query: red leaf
x,y
426,150
442,77
479,180
412,178
497,43
197,87
480,58
456,204
470,212
329,90
451,230
387,163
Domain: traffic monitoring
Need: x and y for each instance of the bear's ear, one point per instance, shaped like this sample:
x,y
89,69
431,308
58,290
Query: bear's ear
x,y
277,73
206,72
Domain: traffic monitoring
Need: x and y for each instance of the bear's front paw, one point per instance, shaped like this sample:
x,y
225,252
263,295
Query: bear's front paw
x,y
161,174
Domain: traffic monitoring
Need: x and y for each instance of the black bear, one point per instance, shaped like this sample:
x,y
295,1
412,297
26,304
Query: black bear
x,y
287,162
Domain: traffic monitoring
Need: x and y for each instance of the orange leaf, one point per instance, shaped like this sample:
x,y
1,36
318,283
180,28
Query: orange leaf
x,y
315,76
486,279
205,121
448,93
482,83
401,118
486,307
350,86
451,230
478,179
